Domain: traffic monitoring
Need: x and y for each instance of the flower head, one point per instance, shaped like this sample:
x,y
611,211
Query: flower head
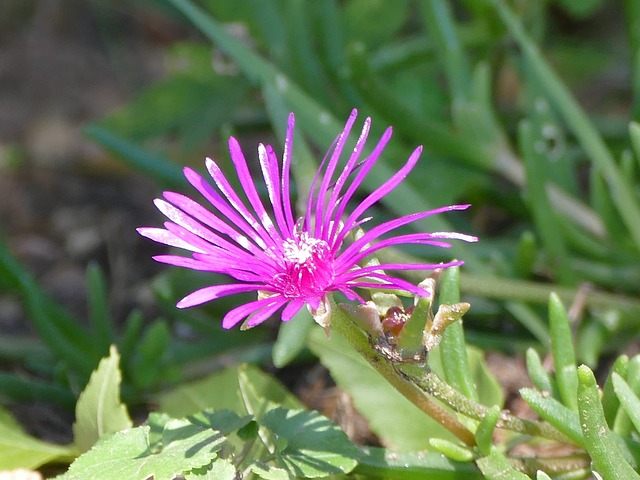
x,y
291,261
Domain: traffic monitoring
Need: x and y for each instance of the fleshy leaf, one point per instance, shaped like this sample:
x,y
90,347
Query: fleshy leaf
x,y
554,412
315,446
629,400
497,467
413,466
600,442
99,410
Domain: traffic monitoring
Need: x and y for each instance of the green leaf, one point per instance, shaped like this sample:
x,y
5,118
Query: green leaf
x,y
601,443
99,309
391,465
629,400
554,412
576,119
497,467
390,17
99,410
545,217
18,449
315,446
484,432
610,401
538,374
452,450
399,423
564,358
224,421
222,391
456,369
154,165
269,472
127,454
488,388
220,469
292,338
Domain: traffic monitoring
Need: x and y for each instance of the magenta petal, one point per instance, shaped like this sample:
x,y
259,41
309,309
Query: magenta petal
x,y
292,308
264,314
213,292
290,263
235,316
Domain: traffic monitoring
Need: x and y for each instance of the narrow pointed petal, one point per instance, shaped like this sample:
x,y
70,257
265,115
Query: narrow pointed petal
x,y
380,192
328,174
286,172
238,314
213,292
163,236
366,166
292,308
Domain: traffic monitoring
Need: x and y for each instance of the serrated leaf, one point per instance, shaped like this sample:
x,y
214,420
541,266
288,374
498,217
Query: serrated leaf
x,y
220,469
269,472
315,446
224,421
99,410
127,455
18,449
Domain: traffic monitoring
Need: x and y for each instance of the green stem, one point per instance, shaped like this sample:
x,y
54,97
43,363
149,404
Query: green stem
x,y
342,324
430,383
413,382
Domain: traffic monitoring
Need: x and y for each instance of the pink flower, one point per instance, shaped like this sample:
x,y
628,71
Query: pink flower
x,y
291,261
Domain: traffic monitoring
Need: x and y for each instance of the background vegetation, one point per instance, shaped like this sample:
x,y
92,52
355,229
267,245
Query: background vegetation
x,y
526,110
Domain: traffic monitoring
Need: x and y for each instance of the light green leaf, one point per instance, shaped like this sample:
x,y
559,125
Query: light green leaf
x,y
269,472
292,338
220,469
314,446
601,443
127,454
18,449
99,410
554,412
497,467
486,427
222,391
564,357
629,400
452,450
391,416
